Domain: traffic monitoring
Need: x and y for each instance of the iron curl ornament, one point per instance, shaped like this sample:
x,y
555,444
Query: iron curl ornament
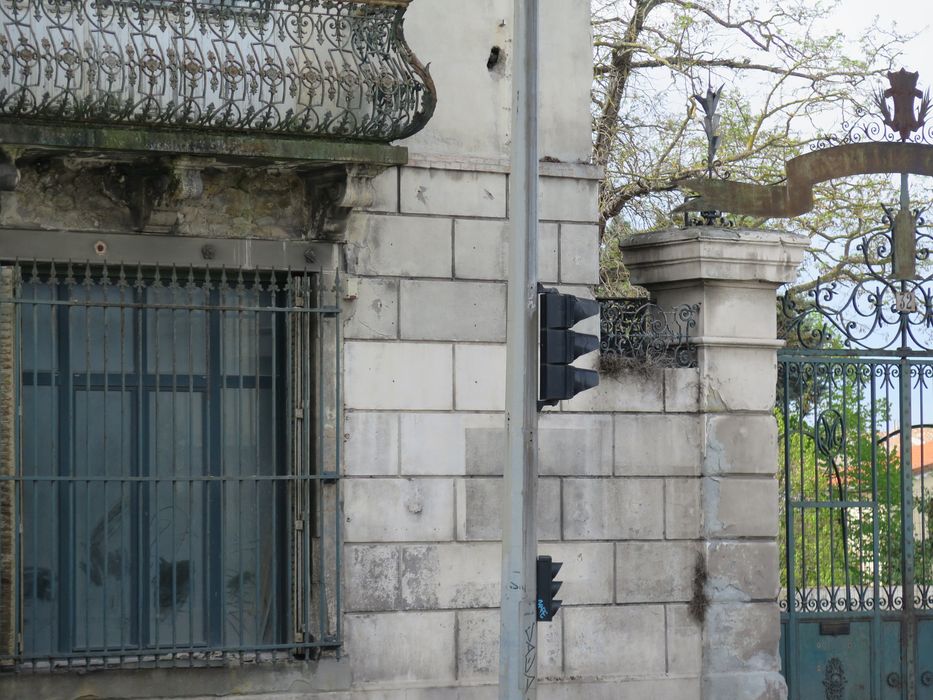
x,y
337,69
877,311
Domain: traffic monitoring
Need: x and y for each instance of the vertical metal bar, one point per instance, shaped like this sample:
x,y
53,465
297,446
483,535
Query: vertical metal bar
x,y
173,354
801,460
923,580
909,633
843,488
86,602
308,467
219,600
212,400
13,549
192,568
875,542
791,629
239,368
125,469
105,289
819,367
338,412
257,470
292,320
276,573
319,470
518,625
155,533
143,441
66,528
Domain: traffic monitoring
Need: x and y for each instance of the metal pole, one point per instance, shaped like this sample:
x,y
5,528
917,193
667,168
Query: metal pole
x,y
909,629
518,628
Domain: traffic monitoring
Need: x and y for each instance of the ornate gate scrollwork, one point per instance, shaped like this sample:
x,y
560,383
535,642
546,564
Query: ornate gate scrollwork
x,y
835,680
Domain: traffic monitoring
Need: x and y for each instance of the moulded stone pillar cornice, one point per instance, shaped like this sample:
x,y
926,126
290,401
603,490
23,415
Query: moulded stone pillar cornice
x,y
708,253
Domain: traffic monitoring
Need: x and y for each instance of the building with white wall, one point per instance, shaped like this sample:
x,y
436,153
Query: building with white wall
x,y
275,457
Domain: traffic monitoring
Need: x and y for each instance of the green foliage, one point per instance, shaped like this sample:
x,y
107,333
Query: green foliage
x,y
833,546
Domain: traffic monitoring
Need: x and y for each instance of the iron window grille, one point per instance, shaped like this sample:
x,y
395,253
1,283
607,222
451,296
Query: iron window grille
x,y
170,469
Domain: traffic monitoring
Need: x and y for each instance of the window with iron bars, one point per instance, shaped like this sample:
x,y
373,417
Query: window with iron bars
x,y
168,492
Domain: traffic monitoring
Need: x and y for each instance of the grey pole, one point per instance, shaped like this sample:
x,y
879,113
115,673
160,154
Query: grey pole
x,y
518,628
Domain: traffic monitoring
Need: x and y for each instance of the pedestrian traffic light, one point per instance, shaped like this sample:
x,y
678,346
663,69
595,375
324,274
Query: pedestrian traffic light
x,y
545,605
559,346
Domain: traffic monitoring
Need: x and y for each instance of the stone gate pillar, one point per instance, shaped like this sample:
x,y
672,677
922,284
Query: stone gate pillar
x,y
732,274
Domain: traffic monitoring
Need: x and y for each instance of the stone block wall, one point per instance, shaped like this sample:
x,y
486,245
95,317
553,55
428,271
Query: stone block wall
x,y
619,489
425,448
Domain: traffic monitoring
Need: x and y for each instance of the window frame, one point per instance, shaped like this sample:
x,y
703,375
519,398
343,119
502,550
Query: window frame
x,y
294,317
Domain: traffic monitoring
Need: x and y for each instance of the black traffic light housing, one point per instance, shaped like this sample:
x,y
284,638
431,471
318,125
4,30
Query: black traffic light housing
x,y
545,605
559,346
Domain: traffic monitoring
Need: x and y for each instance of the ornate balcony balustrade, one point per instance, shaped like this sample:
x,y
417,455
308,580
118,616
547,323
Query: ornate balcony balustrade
x,y
328,69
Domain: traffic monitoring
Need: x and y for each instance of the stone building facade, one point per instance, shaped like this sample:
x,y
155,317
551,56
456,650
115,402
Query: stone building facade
x,y
657,488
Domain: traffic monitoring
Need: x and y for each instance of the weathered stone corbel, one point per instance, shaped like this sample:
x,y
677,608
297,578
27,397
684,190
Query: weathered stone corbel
x,y
334,193
186,181
9,173
155,191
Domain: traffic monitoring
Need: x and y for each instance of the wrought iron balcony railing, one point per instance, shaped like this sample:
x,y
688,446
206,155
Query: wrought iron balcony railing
x,y
331,69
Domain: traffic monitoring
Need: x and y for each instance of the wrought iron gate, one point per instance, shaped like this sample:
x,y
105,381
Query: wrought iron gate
x,y
855,414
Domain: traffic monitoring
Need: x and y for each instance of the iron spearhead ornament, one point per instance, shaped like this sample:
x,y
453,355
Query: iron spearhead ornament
x,y
903,91
709,103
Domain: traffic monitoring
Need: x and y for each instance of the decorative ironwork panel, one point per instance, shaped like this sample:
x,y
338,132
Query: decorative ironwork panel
x,y
835,680
326,68
875,310
642,330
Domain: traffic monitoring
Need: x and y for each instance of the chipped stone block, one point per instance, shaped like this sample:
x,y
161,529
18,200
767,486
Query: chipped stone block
x,y
742,637
568,199
478,646
481,250
682,513
479,509
451,575
415,376
374,312
657,445
371,443
684,642
448,443
372,577
741,444
634,634
611,509
427,654
440,310
398,510
579,254
655,572
453,192
681,390
479,377
587,571
740,507
399,246
743,571
575,445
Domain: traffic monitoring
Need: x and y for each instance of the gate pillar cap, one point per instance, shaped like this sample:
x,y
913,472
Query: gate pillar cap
x,y
699,253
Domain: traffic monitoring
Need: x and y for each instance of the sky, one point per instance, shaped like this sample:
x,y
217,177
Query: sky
x,y
853,16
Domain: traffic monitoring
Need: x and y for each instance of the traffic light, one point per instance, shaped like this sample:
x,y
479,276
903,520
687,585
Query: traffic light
x,y
545,605
559,346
